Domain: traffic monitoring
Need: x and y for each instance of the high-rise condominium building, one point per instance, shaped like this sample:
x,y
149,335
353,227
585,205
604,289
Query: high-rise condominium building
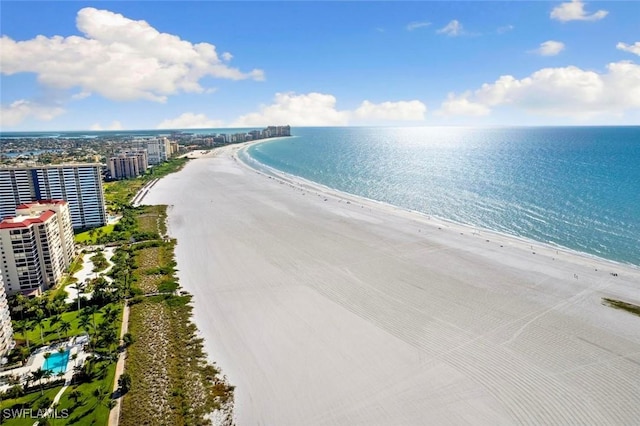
x,y
36,247
78,184
123,166
63,217
159,150
6,331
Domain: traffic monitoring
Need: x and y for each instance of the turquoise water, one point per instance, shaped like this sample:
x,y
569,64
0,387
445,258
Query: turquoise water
x,y
575,187
57,362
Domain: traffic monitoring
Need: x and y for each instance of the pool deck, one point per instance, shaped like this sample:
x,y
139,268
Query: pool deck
x,y
37,360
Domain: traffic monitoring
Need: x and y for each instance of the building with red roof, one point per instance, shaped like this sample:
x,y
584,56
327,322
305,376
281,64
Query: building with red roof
x,y
36,246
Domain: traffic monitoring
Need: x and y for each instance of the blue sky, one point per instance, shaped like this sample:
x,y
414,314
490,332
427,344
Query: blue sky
x,y
143,65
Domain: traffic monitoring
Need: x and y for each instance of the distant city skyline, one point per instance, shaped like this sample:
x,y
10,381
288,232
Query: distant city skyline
x,y
179,65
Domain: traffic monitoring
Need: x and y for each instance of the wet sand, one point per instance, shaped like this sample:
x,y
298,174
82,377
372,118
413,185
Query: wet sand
x,y
327,309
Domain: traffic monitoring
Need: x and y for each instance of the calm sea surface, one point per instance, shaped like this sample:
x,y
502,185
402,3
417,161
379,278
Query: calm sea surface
x,y
576,187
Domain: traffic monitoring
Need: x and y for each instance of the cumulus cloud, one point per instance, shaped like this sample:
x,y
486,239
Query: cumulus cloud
x,y
549,48
118,58
115,125
311,109
461,105
633,48
452,29
415,25
574,11
563,92
22,109
319,109
189,120
391,111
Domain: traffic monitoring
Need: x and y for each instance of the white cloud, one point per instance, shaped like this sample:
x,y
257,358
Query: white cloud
x,y
460,105
633,48
391,111
319,109
452,29
227,56
311,109
562,92
574,11
415,25
118,58
505,29
189,120
549,48
22,109
115,125
80,95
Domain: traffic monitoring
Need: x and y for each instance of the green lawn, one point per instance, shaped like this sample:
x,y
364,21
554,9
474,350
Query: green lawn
x,y
51,334
88,410
89,237
26,402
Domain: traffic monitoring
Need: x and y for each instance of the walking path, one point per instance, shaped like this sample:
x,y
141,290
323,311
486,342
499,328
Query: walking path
x,y
114,415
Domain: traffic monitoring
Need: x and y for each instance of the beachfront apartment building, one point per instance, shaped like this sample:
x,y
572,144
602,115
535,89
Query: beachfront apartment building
x,y
78,184
63,218
6,330
124,166
158,150
36,247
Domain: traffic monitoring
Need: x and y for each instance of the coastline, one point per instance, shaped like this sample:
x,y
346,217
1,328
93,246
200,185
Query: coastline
x,y
323,307
440,221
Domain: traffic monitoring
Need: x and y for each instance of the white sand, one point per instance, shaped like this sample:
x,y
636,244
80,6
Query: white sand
x,y
356,313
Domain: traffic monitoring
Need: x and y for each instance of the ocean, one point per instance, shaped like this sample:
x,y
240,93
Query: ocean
x,y
573,187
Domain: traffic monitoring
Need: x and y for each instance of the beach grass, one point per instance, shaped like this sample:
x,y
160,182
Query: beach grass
x,y
619,304
173,384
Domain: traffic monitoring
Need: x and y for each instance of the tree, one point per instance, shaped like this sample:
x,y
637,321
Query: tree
x,y
65,326
79,287
100,394
53,321
23,327
110,313
127,339
39,314
85,323
76,395
37,376
124,383
15,391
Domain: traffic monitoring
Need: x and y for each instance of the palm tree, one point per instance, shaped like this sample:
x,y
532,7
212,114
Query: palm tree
x,y
39,314
75,395
91,310
65,326
124,382
110,314
84,323
23,327
53,321
37,376
21,304
79,287
100,394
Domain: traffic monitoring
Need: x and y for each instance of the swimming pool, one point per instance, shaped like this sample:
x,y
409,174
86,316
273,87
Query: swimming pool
x,y
57,362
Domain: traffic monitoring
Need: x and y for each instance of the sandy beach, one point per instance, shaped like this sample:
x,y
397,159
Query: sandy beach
x,y
327,309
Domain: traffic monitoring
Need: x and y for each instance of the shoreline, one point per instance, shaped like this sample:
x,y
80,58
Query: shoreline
x,y
301,181
324,308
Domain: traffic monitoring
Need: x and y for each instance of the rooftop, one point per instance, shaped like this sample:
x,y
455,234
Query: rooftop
x,y
40,203
24,221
